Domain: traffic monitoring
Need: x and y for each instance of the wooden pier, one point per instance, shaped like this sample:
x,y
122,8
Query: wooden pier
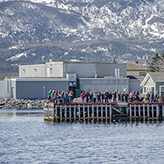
x,y
108,112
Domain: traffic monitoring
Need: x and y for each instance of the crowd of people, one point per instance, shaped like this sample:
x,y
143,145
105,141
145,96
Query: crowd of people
x,y
60,97
100,97
97,96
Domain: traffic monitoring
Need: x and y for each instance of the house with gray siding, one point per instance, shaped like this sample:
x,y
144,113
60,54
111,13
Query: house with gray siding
x,y
153,81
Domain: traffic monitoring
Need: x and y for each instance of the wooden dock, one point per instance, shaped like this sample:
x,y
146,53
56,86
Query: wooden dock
x,y
108,112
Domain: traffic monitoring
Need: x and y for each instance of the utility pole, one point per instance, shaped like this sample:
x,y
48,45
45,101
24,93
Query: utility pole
x,y
116,80
63,53
146,58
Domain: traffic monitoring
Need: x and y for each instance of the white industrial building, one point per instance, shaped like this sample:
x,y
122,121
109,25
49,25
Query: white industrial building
x,y
35,81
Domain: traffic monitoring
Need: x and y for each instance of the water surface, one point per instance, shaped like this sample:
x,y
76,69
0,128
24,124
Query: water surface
x,y
26,138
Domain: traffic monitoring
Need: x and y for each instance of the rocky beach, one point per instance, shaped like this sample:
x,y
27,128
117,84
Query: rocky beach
x,y
11,103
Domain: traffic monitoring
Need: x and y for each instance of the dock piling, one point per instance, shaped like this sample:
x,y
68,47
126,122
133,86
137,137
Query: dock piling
x,y
103,112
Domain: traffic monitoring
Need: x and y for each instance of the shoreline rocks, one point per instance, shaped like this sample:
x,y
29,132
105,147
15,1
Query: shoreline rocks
x,y
11,103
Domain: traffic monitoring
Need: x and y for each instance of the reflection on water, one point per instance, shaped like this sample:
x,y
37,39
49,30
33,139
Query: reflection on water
x,y
5,113
26,138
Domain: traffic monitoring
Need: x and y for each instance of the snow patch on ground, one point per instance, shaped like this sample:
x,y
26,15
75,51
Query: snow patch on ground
x,y
16,57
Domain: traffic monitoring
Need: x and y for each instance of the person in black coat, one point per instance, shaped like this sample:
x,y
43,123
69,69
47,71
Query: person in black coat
x,y
106,96
114,96
87,96
91,96
110,97
126,97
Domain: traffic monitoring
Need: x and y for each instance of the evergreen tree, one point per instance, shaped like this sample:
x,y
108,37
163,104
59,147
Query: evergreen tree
x,y
163,54
157,64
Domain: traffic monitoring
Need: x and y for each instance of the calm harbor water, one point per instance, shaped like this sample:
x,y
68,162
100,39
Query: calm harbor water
x,y
26,138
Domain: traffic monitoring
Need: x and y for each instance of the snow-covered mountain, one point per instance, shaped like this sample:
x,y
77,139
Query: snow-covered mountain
x,y
81,20
96,28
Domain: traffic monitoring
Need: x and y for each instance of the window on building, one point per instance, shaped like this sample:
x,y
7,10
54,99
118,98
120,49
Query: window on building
x,y
144,90
24,70
141,91
152,89
141,73
162,90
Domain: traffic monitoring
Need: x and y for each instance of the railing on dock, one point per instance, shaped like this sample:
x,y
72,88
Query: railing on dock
x,y
114,111
146,111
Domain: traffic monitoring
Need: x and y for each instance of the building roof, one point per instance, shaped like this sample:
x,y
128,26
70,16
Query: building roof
x,y
131,66
155,76
4,75
39,79
140,78
80,61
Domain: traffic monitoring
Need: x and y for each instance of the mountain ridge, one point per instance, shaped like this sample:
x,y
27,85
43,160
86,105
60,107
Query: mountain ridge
x,y
85,29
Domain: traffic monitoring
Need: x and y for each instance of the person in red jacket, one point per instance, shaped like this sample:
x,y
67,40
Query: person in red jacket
x,y
82,96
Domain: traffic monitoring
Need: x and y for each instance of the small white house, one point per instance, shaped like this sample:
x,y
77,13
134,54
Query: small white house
x,y
153,81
